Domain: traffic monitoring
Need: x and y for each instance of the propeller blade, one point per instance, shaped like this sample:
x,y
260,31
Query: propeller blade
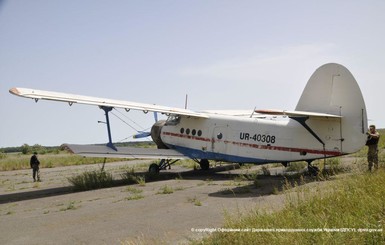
x,y
141,135
156,116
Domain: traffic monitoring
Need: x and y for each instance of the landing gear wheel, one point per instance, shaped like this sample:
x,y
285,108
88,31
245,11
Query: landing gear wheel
x,y
153,169
204,164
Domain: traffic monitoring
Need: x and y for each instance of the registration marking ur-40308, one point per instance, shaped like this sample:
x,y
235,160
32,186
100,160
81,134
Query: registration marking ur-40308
x,y
264,138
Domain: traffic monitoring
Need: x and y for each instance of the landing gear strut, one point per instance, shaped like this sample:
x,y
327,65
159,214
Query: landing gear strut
x,y
164,163
313,170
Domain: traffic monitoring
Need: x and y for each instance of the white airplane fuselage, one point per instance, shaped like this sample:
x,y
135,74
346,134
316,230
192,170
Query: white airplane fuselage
x,y
252,140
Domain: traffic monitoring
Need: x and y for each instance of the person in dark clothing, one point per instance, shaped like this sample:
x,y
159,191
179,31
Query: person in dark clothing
x,y
34,162
372,143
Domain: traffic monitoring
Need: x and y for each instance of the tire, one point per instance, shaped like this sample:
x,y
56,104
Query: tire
x,y
153,169
204,164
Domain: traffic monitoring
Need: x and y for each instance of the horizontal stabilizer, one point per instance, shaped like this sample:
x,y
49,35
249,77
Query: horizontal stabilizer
x,y
124,152
297,113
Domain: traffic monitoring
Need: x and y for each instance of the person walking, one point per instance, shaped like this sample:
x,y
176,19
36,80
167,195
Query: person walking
x,y
34,162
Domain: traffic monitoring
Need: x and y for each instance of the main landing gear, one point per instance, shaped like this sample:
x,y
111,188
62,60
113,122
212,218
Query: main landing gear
x,y
204,164
166,163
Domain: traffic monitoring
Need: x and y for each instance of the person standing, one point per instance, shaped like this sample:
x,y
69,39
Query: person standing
x,y
34,162
372,143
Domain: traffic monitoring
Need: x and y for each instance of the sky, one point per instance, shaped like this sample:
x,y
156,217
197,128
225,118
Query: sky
x,y
223,54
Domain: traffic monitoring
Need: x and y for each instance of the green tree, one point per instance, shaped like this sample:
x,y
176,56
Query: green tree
x,y
25,149
39,148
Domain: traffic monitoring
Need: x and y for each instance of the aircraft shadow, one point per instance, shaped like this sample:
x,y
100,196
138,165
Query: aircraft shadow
x,y
29,195
261,186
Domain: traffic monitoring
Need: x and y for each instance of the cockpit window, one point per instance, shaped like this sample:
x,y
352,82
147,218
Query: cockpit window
x,y
173,120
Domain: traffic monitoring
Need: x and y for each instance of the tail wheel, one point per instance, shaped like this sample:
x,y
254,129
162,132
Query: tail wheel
x,y
204,164
313,170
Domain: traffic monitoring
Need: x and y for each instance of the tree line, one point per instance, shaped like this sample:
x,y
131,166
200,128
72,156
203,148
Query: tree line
x,y
29,149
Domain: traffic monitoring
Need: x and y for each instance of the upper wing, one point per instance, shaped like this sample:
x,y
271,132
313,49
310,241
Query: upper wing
x,y
124,152
80,99
297,113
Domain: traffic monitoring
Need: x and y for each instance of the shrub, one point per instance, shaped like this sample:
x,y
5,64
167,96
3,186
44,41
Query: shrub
x,y
91,180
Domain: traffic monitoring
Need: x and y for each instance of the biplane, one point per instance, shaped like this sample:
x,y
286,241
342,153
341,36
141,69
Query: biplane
x,y
329,120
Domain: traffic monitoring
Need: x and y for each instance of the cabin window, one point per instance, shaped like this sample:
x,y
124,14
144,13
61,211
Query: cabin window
x,y
220,136
173,120
199,132
188,131
182,130
194,132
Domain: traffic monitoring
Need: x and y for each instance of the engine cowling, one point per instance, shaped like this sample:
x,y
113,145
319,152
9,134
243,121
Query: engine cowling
x,y
156,130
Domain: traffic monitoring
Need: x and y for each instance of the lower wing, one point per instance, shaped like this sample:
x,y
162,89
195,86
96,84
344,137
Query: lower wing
x,y
125,152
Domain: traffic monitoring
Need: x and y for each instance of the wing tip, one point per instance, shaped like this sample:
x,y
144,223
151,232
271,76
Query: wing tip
x,y
15,91
68,148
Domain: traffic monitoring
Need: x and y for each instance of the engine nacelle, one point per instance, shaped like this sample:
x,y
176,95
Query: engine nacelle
x,y
156,130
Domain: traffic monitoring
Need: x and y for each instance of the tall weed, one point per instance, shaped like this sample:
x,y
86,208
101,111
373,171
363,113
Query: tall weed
x,y
91,180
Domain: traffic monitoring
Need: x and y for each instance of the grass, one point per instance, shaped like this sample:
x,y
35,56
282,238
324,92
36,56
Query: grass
x,y
91,180
296,166
130,177
134,197
266,170
70,206
195,201
250,177
166,190
135,193
331,216
133,190
190,164
17,161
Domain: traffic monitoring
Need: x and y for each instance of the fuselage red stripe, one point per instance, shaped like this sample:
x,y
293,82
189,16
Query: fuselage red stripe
x,y
256,146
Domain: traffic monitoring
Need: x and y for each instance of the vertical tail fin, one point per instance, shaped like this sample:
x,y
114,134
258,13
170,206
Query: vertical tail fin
x,y
332,89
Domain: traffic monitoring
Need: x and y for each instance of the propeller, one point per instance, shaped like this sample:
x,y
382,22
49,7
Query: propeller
x,y
144,134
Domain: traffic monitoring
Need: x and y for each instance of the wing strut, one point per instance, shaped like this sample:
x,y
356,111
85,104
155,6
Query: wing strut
x,y
302,121
107,109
